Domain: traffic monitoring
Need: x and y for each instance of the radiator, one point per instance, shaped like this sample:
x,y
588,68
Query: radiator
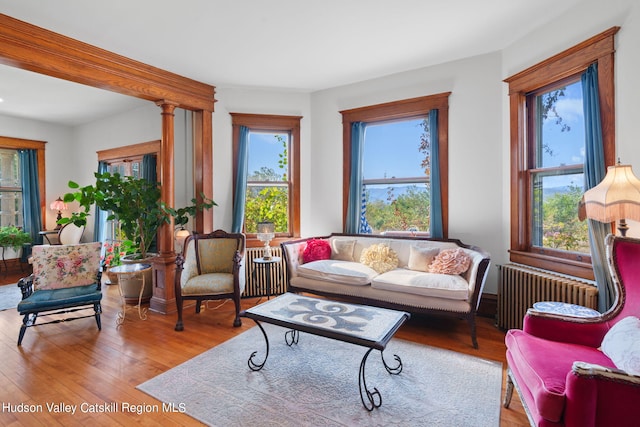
x,y
519,287
256,276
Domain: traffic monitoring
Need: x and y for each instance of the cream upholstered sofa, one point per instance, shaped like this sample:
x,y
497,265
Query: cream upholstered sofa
x,y
392,272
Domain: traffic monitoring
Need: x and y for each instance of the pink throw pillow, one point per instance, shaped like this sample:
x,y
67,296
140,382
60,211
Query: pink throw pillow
x,y
450,261
317,249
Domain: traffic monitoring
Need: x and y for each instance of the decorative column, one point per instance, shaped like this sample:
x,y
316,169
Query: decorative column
x,y
163,299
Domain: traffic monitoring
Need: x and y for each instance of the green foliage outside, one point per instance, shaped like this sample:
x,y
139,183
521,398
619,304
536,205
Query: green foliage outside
x,y
561,227
266,201
408,211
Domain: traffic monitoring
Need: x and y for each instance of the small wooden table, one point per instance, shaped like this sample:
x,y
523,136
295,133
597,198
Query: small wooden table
x,y
371,327
130,270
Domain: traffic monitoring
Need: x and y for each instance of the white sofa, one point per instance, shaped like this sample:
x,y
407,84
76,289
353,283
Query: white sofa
x,y
415,290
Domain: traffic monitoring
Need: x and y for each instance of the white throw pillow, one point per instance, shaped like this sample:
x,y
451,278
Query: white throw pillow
x,y
622,345
420,258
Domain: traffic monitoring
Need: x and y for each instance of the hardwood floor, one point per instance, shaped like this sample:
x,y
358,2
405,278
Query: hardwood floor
x,y
74,363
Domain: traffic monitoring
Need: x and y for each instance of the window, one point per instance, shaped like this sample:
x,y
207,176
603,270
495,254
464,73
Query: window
x,y
10,189
547,151
11,204
395,176
273,177
396,164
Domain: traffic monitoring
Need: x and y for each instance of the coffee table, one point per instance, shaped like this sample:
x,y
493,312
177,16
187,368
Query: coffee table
x,y
366,326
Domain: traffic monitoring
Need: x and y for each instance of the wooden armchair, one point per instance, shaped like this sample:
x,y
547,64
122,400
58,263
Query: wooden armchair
x,y
210,268
65,279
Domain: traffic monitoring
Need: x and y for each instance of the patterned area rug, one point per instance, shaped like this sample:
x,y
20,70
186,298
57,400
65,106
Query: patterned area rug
x,y
10,296
315,383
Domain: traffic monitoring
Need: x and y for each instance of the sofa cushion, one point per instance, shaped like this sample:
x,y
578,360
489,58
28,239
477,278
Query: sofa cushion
x,y
420,258
342,249
543,366
316,249
380,257
622,345
346,272
420,283
451,261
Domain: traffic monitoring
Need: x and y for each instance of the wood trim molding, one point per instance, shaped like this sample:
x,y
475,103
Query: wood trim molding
x,y
111,154
29,47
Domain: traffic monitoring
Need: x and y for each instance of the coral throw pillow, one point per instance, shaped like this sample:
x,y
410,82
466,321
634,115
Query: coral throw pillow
x,y
316,249
380,258
450,261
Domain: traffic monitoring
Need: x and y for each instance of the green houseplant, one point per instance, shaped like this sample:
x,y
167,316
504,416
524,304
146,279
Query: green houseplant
x,y
13,237
135,203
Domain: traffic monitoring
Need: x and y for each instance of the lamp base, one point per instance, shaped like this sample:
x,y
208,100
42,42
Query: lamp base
x,y
267,252
623,227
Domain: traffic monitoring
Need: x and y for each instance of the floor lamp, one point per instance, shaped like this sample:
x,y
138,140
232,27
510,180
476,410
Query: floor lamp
x,y
616,198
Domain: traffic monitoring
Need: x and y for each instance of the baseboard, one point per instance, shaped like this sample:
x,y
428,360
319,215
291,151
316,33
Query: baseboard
x,y
488,306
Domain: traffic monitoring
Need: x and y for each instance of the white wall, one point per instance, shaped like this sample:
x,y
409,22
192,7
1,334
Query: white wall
x,y
254,101
475,169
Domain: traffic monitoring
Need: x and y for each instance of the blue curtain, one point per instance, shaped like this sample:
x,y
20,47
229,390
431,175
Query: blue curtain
x,y
354,207
100,217
149,168
436,229
240,193
594,172
30,194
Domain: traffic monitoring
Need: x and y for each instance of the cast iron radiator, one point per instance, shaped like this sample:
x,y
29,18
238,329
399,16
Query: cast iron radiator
x,y
520,286
256,276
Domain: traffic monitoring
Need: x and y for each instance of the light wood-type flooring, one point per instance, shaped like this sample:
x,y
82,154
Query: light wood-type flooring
x,y
72,362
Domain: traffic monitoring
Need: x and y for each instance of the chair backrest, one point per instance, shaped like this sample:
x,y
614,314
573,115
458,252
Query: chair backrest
x,y
65,266
70,234
623,255
211,253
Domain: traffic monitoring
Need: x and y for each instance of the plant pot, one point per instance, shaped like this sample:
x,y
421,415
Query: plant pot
x,y
131,284
112,278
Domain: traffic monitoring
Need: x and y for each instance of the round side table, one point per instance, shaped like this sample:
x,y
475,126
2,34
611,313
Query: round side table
x,y
265,264
130,270
565,309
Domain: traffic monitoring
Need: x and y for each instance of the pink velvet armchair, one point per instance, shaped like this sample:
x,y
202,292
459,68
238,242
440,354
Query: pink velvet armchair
x,y
572,371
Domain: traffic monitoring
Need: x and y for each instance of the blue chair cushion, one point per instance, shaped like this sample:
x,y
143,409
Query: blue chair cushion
x,y
54,299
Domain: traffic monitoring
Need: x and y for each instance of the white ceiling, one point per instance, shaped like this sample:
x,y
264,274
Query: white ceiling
x,y
281,44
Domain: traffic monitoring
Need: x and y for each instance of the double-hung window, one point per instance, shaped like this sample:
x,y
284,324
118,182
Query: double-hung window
x,y
272,184
548,154
10,189
394,186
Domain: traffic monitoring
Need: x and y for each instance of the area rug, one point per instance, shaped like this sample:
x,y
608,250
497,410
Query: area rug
x,y
315,383
10,296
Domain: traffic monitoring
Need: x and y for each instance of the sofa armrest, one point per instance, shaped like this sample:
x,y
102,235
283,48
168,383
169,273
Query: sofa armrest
x,y
598,395
587,331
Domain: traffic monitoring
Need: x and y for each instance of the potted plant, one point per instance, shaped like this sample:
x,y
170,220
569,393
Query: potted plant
x,y
13,237
133,202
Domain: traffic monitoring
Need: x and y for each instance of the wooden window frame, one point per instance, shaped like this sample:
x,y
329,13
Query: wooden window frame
x,y
599,49
273,123
39,146
393,111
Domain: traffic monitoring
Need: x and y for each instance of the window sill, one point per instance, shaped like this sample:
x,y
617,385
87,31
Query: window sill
x,y
565,266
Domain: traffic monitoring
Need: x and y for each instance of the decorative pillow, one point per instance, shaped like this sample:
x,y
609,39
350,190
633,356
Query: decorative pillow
x,y
342,250
380,258
622,345
450,261
420,258
316,249
65,266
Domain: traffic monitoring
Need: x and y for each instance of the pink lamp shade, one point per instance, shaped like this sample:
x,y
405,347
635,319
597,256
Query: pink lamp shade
x,y
58,205
616,198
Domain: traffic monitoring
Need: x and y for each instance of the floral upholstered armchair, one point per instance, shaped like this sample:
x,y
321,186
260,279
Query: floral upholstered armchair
x,y
210,268
65,279
577,371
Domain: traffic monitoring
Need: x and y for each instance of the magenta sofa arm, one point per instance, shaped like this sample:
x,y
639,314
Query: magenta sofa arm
x,y
599,396
577,330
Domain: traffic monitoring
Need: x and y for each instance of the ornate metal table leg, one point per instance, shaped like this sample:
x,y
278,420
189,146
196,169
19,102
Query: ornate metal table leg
x,y
395,370
257,366
123,313
291,337
373,398
142,312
